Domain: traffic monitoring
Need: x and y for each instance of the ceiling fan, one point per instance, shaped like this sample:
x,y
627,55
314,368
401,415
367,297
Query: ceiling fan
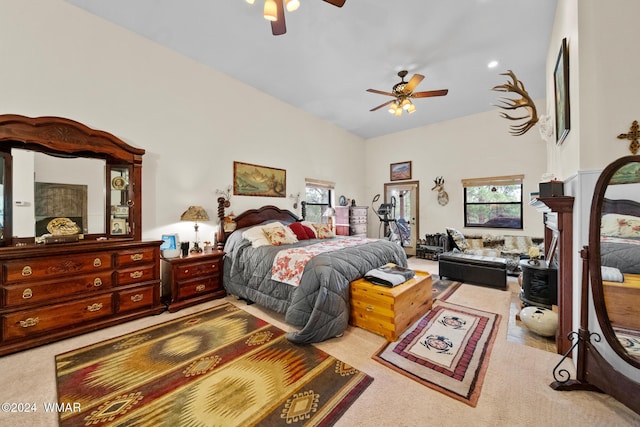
x,y
274,12
403,93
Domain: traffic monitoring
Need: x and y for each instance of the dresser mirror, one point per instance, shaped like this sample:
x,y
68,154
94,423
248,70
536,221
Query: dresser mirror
x,y
70,187
55,168
615,256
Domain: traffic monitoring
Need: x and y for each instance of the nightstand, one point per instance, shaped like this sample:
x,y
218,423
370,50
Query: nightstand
x,y
192,279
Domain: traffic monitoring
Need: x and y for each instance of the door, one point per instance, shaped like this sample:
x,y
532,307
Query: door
x,y
404,200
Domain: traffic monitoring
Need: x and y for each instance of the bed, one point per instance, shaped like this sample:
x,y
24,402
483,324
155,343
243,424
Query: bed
x,y
319,304
620,255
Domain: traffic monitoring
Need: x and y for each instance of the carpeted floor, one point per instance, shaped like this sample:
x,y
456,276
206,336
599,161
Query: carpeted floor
x,y
221,366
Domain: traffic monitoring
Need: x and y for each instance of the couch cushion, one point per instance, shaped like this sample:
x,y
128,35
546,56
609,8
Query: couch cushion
x,y
458,239
488,261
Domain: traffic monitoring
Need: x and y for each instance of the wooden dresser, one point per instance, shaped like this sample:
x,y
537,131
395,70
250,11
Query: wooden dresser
x,y
192,280
390,311
51,292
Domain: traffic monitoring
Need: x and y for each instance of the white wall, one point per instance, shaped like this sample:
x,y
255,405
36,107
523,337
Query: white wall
x,y
471,147
192,121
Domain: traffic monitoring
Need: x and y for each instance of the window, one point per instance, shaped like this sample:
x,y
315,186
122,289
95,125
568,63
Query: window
x,y
318,197
494,202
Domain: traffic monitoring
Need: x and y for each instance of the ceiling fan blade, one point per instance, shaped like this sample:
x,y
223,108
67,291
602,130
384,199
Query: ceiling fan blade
x,y
382,105
380,92
338,3
278,27
415,81
430,93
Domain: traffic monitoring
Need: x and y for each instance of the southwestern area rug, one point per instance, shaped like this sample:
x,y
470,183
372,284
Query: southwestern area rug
x,y
221,366
443,288
447,350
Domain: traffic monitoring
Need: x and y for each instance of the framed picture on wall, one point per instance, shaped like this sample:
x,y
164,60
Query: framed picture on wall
x,y
561,87
256,180
118,226
400,171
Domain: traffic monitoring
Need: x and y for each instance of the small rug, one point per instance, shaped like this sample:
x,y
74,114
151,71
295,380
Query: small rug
x,y
630,340
447,350
442,288
221,366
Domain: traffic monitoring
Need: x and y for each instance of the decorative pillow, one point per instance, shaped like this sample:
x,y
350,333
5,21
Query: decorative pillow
x,y
458,239
256,236
311,228
289,235
323,231
299,231
277,235
620,225
311,233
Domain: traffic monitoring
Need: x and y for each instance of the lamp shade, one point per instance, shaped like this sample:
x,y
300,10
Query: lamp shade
x,y
329,212
195,213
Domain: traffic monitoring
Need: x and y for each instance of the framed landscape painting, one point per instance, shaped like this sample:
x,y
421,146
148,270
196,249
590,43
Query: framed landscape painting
x,y
561,85
256,180
400,171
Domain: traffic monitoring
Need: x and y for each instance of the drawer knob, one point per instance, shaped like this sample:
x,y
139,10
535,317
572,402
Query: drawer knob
x,y
29,322
27,293
94,307
136,257
186,270
200,288
27,271
97,262
136,274
213,266
137,297
369,308
97,282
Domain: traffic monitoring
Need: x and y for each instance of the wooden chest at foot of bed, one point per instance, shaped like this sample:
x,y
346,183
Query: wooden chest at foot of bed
x,y
623,301
390,311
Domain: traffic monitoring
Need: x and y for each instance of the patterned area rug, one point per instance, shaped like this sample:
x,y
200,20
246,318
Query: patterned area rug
x,y
220,367
447,350
630,340
442,288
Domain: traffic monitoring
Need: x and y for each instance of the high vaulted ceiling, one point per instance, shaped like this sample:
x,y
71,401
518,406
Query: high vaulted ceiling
x,y
330,56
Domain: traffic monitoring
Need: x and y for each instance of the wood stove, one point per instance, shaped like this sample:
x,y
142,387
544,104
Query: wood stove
x,y
539,283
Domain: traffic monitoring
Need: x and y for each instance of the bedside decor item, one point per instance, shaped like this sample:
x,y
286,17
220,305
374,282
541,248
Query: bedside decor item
x,y
255,180
195,214
541,321
516,86
447,350
561,87
632,136
222,365
229,223
342,201
170,247
400,171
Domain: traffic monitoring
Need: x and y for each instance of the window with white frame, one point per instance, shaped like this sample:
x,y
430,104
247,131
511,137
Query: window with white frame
x,y
493,202
318,198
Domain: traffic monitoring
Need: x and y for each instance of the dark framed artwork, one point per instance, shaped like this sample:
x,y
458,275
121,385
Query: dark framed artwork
x,y
256,180
400,171
561,86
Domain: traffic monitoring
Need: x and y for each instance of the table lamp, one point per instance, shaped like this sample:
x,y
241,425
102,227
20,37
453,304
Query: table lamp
x,y
329,213
195,213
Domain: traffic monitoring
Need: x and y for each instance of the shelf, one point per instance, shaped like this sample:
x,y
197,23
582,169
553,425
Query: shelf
x,y
553,204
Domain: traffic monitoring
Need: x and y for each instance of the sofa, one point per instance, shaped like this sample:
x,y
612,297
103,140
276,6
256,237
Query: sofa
x,y
485,259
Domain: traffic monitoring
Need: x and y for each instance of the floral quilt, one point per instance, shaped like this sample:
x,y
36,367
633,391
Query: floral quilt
x,y
289,264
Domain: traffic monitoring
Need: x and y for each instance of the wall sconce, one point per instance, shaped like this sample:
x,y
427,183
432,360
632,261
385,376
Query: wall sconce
x,y
195,213
295,197
226,193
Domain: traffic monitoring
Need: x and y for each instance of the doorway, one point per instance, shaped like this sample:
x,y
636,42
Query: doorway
x,y
404,197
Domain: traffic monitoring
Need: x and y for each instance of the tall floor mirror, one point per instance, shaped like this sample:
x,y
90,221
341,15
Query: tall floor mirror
x,y
611,263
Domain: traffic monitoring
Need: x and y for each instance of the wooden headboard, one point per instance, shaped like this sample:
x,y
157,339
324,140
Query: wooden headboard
x,y
252,217
621,206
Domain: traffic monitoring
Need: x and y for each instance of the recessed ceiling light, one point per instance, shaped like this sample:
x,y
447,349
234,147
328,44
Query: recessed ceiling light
x,y
492,64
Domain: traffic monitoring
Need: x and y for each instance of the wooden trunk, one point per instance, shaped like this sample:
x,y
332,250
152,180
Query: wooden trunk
x,y
390,311
623,301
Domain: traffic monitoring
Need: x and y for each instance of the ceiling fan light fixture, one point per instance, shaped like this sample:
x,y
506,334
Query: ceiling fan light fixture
x,y
292,5
398,112
250,1
411,109
270,10
405,104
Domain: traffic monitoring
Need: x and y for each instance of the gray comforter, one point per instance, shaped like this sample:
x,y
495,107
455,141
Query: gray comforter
x,y
319,305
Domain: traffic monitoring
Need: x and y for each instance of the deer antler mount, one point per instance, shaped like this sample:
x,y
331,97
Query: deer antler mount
x,y
443,197
517,87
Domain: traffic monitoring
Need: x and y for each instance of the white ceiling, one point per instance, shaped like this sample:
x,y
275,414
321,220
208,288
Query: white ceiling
x,y
330,56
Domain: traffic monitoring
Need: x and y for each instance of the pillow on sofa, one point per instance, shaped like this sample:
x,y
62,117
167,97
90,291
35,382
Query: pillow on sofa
x,y
458,239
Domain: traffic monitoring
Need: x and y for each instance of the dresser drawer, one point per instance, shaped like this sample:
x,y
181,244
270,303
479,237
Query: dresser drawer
x,y
359,211
358,229
56,266
193,270
139,256
133,299
139,274
32,293
30,322
198,287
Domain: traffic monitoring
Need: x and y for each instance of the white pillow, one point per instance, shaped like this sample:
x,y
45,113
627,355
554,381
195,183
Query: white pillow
x,y
620,225
290,235
256,236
